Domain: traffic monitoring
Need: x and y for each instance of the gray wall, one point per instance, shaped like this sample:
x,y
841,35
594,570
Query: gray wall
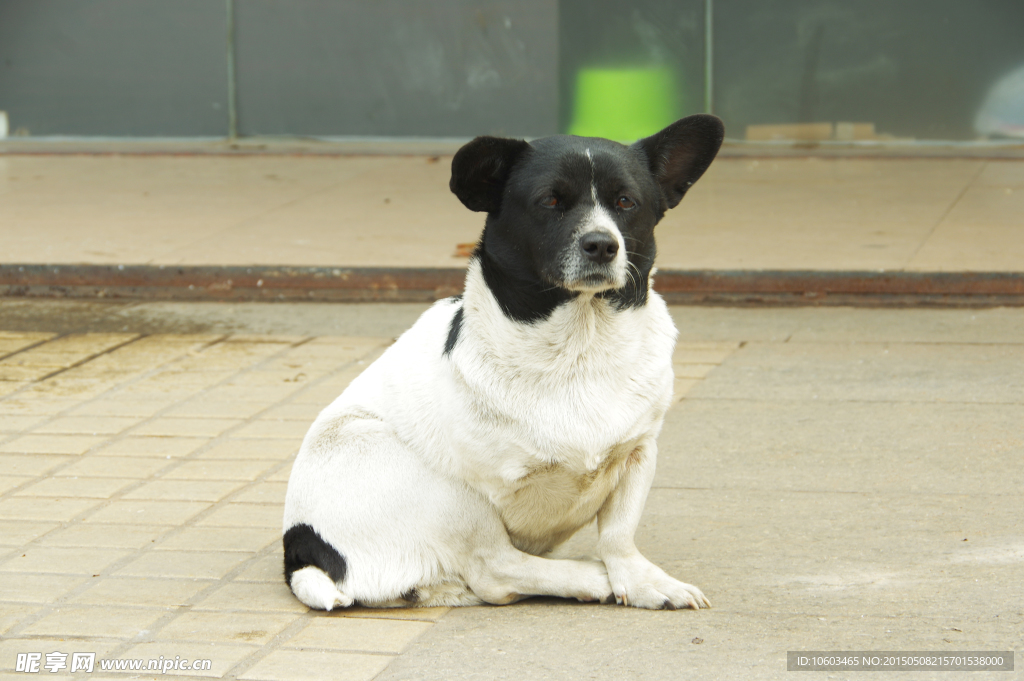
x,y
113,67
304,67
919,69
398,67
466,67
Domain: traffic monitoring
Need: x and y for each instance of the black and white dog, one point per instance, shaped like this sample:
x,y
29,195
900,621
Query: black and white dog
x,y
508,418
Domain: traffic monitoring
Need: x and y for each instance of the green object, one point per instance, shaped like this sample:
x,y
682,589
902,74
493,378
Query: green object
x,y
624,104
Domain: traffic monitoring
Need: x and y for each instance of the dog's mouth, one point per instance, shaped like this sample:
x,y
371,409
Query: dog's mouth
x,y
594,280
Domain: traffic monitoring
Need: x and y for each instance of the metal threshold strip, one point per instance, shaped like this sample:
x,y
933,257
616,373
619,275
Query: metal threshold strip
x,y
383,284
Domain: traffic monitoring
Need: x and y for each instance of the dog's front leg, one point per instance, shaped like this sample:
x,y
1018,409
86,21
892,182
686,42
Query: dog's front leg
x,y
635,580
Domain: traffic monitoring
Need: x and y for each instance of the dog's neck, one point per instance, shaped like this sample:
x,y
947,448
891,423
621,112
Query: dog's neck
x,y
521,294
524,297
581,329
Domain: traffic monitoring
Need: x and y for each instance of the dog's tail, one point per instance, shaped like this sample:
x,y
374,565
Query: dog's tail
x,y
314,569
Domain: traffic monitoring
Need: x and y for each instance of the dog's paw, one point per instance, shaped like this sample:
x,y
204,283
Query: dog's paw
x,y
639,583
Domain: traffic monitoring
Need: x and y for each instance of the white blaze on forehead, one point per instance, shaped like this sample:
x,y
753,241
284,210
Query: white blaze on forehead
x,y
593,182
598,219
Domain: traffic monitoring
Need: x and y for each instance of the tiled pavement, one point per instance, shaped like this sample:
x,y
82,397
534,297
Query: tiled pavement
x,y
142,479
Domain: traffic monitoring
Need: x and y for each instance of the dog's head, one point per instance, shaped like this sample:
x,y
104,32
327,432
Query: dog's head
x,y
575,215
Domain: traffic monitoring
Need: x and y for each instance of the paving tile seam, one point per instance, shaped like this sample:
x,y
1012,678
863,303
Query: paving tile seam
x,y
851,343
385,614
129,675
193,641
828,615
770,399
90,477
249,611
70,637
92,605
174,529
727,350
130,488
155,578
873,493
346,651
82,362
945,214
33,346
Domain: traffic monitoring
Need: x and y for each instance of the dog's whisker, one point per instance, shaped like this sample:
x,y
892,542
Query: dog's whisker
x,y
634,281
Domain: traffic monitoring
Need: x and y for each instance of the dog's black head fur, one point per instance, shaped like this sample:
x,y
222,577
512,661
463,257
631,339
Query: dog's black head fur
x,y
569,215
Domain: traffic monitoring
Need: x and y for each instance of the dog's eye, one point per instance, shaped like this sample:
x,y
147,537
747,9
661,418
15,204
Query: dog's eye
x,y
625,202
549,201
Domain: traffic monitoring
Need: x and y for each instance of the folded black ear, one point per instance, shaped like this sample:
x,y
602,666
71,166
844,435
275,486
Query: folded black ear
x,y
480,169
679,154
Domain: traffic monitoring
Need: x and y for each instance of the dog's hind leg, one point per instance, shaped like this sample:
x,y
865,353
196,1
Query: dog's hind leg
x,y
502,574
448,594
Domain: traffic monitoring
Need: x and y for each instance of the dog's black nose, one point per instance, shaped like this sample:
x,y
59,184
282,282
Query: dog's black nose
x,y
599,247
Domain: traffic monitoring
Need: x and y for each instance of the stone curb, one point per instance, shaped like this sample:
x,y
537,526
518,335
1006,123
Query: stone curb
x,y
424,284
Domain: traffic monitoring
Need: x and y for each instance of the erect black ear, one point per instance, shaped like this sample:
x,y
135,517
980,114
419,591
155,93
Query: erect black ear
x,y
679,154
480,169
